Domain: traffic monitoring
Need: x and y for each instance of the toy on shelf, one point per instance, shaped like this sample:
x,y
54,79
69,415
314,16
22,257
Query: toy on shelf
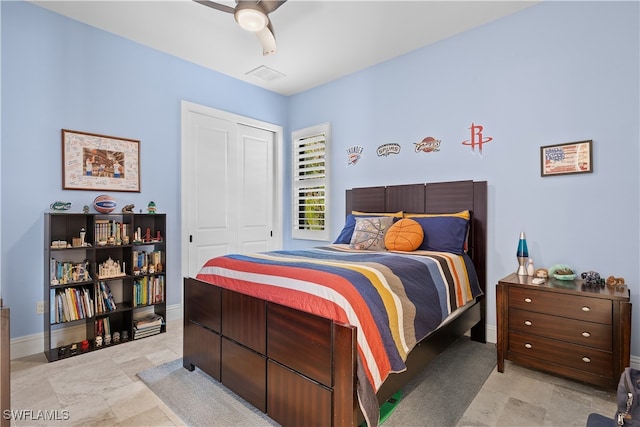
x,y
128,208
104,203
110,268
59,206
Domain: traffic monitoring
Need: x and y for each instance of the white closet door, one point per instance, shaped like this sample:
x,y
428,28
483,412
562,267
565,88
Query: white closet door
x,y
229,187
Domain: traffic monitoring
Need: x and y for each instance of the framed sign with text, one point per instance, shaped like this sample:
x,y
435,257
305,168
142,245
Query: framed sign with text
x,y
562,159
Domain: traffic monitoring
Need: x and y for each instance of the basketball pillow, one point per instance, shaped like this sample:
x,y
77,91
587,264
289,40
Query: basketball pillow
x,y
405,235
369,233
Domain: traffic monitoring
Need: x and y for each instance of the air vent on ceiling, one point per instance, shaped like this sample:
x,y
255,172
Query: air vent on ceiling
x,y
265,73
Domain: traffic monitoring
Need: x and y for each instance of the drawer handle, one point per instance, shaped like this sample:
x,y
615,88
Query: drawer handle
x,y
585,308
527,345
528,322
528,300
585,359
586,334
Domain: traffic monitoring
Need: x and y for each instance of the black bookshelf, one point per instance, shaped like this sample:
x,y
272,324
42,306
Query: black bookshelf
x,y
104,281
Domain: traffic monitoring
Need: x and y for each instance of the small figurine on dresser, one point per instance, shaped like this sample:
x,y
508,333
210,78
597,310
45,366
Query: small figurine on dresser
x,y
616,282
542,273
530,269
592,278
151,208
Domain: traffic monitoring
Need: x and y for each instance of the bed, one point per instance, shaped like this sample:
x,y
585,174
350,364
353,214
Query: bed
x,y
309,363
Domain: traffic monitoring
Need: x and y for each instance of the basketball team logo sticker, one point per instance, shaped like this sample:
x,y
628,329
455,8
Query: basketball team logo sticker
x,y
428,145
385,149
354,154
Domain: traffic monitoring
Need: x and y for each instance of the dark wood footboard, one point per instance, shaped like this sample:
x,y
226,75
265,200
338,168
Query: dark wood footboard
x,y
296,367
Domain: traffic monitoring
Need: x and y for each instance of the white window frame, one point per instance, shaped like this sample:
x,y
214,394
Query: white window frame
x,y
313,134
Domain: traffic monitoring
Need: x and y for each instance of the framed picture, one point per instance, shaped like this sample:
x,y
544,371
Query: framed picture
x,y
99,162
562,159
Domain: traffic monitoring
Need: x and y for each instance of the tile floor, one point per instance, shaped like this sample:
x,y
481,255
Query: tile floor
x,y
101,389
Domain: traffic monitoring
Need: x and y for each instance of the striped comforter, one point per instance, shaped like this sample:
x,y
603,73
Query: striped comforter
x,y
395,299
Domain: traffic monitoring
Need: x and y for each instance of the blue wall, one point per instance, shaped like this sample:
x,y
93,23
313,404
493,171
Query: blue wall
x,y
554,73
59,73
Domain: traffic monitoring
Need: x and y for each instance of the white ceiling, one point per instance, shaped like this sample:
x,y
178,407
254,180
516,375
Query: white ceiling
x,y
317,41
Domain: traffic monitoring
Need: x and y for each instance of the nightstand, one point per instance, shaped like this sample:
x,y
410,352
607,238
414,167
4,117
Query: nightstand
x,y
564,327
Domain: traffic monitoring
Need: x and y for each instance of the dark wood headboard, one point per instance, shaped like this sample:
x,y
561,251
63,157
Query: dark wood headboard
x,y
437,197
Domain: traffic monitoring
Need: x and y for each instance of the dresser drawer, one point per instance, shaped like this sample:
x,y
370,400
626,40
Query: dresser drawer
x,y
557,304
591,334
561,353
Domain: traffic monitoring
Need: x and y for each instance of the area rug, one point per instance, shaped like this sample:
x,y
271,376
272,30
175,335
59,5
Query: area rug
x,y
438,397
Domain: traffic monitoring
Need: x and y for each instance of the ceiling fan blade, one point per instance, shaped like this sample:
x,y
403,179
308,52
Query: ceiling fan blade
x,y
267,40
215,5
271,5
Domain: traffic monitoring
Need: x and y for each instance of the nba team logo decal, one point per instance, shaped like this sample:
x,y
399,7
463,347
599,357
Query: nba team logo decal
x,y
354,154
476,140
386,149
427,145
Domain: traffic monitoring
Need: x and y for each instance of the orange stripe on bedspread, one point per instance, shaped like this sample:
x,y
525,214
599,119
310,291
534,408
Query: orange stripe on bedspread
x,y
463,295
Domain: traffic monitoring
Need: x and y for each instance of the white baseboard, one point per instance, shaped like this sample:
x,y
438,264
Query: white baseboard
x,y
635,362
492,334
33,344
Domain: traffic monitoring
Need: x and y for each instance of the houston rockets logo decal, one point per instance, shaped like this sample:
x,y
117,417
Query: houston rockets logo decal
x,y
476,140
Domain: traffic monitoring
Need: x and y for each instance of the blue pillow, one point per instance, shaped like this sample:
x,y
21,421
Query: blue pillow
x,y
443,233
347,230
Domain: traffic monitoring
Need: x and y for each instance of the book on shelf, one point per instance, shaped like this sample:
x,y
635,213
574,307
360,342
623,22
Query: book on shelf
x,y
112,231
69,304
146,262
148,290
102,327
104,298
150,324
137,334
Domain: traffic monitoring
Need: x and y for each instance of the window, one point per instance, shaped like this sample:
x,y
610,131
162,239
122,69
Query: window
x,y
310,183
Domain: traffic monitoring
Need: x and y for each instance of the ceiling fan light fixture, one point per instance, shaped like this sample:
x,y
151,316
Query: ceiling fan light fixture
x,y
251,19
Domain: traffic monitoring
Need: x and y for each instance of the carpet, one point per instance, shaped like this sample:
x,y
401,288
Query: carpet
x,y
438,397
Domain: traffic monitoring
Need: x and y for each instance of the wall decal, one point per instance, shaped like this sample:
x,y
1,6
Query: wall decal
x,y
354,154
477,140
427,145
386,149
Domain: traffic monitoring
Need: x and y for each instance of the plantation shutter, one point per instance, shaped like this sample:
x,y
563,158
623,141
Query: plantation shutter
x,y
310,195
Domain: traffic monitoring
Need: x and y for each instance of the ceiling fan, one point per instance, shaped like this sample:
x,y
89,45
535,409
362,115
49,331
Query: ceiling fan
x,y
252,16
